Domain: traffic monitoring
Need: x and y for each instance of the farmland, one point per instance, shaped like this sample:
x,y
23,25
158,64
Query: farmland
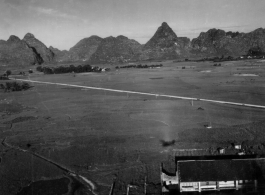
x,y
107,136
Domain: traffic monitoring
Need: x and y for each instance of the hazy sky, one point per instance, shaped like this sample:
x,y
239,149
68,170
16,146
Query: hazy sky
x,y
62,23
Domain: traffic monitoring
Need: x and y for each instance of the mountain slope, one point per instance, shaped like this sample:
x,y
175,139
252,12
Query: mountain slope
x,y
46,54
59,55
218,42
166,45
84,49
117,50
17,52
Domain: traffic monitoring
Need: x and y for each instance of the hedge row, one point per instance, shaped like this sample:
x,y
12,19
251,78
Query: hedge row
x,y
15,86
69,69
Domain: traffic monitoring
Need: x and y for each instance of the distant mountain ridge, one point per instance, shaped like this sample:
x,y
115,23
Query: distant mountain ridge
x,y
219,42
164,44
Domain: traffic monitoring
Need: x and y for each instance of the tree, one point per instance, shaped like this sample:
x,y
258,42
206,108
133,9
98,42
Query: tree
x,y
2,86
8,72
39,68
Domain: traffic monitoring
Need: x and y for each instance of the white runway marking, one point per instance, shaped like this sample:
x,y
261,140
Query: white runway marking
x,y
142,93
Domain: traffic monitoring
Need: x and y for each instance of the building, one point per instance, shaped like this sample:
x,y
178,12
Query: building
x,y
238,146
214,173
217,175
221,150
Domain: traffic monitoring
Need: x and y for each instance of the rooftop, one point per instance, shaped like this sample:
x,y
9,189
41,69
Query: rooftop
x,y
220,170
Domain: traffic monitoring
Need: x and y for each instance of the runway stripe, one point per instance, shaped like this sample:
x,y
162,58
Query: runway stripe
x,y
142,93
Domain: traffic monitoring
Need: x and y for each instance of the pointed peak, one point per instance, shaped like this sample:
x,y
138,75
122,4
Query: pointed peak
x,y
29,35
165,27
165,30
164,37
164,24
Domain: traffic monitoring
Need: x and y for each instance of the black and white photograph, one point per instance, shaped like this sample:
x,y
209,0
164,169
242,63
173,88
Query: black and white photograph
x,y
132,97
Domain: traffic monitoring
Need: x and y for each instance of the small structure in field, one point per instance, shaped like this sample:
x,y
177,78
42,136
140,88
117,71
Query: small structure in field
x,y
237,146
208,126
221,150
213,173
241,153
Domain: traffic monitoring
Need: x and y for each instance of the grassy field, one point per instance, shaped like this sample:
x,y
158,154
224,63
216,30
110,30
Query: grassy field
x,y
106,135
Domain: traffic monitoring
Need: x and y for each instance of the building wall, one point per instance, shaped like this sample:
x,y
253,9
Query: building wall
x,y
189,186
215,185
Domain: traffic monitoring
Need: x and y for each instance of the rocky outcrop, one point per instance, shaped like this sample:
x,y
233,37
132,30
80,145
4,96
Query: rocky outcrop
x,y
216,42
46,54
118,49
166,45
252,40
17,52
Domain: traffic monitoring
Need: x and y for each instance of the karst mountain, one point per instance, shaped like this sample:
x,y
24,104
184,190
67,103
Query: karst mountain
x,y
163,45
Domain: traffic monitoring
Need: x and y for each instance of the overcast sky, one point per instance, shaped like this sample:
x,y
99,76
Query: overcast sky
x,y
62,23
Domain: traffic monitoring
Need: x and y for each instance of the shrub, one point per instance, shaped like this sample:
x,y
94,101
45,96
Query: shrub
x,y
15,86
8,72
39,68
3,77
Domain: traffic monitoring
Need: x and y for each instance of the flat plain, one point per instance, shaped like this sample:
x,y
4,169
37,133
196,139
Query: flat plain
x,y
108,136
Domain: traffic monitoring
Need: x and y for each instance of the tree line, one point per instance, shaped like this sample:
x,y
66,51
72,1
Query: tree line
x,y
140,66
70,69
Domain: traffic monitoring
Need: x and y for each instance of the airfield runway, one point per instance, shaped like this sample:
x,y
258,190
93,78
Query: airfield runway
x,y
143,93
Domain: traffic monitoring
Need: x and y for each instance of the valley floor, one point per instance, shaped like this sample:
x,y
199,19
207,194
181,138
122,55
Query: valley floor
x,y
104,136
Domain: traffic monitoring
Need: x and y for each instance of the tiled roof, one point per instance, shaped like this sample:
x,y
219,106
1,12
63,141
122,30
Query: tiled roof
x,y
214,157
220,170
